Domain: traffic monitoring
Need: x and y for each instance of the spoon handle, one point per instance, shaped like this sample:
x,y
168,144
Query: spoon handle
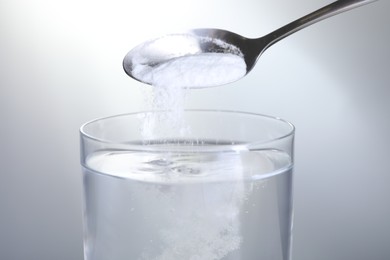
x,y
316,16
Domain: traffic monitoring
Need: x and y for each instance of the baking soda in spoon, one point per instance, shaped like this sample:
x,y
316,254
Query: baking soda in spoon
x,y
194,71
185,60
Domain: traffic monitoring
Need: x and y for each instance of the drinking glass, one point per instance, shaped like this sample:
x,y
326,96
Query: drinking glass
x,y
217,187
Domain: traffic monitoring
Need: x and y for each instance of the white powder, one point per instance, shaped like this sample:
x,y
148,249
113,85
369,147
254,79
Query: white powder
x,y
194,71
187,60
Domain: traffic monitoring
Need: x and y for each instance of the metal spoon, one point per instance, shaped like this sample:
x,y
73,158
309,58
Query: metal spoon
x,y
201,41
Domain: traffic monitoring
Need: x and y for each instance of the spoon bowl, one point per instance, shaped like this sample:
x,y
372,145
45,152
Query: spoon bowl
x,y
215,41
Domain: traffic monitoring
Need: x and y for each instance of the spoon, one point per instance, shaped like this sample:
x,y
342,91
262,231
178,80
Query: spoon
x,y
215,41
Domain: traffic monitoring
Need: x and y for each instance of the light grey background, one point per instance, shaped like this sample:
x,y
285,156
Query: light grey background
x,y
60,65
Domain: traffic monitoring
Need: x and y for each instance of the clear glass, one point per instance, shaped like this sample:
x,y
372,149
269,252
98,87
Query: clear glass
x,y
220,191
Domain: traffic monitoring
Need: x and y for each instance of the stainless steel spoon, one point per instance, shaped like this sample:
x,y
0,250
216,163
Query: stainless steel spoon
x,y
166,48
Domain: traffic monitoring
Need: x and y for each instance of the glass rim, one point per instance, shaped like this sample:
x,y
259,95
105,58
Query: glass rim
x,y
142,147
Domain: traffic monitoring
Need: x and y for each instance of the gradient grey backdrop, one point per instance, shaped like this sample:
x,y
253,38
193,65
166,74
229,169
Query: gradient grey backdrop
x,y
60,65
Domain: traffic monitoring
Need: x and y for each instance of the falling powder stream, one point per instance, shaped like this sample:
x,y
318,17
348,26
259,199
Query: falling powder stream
x,y
170,81
197,233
